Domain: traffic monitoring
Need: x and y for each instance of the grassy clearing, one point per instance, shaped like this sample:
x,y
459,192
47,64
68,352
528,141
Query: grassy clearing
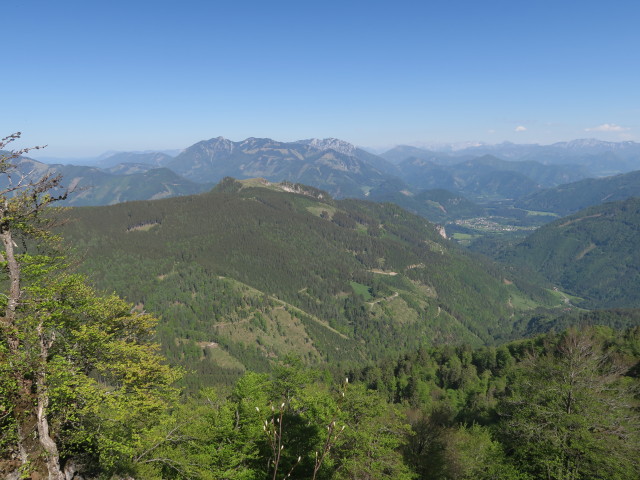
x,y
223,359
363,290
142,228
361,228
520,302
401,312
323,207
534,213
563,297
278,334
464,236
259,182
464,239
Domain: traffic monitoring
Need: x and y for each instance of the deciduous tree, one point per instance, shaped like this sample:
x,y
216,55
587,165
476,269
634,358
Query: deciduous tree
x,y
571,414
81,373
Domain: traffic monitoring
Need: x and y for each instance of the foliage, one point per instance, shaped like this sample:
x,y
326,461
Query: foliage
x,y
569,414
441,413
272,426
83,388
84,377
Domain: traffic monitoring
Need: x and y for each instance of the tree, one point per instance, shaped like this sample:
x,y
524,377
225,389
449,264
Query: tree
x,y
21,201
370,446
80,372
471,453
571,413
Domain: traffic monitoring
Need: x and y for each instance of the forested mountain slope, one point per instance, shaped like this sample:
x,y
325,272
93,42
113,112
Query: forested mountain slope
x,y
594,254
570,198
436,205
252,270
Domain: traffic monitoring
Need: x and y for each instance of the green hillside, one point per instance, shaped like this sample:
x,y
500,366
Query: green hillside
x,y
594,254
435,205
252,270
570,198
95,187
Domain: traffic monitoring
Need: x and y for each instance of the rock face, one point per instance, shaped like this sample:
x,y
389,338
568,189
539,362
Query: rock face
x,y
330,144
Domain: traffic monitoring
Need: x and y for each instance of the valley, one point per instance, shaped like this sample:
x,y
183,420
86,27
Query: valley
x,y
320,241
441,294
330,259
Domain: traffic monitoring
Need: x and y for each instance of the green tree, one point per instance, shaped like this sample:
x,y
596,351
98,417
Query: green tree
x,y
81,374
571,413
371,445
470,453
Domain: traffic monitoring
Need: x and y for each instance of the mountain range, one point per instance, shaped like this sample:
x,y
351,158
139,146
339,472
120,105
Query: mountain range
x,y
481,180
600,157
330,164
121,183
488,177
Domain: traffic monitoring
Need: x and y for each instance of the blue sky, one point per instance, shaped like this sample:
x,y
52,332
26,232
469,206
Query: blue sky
x,y
85,77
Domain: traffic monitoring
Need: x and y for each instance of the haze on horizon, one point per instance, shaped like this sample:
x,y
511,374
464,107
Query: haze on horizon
x,y
87,77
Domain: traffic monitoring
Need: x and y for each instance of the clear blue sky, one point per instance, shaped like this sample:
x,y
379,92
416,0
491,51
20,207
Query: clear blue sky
x,y
88,76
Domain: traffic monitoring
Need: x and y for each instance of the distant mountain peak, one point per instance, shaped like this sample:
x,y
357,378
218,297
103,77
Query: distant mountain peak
x,y
336,144
256,143
217,140
216,145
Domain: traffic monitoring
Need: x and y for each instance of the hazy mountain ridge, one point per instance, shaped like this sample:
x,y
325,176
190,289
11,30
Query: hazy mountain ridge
x,y
600,157
124,182
487,177
569,198
401,153
157,159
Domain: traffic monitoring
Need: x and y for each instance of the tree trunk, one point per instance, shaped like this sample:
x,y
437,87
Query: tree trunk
x,y
9,320
47,443
36,448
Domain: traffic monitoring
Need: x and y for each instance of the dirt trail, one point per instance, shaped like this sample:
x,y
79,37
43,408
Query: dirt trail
x,y
382,272
389,298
